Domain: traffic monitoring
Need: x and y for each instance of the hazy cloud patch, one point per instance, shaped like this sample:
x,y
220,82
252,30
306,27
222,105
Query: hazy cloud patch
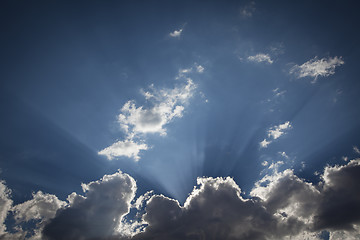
x,y
176,33
248,10
260,57
317,67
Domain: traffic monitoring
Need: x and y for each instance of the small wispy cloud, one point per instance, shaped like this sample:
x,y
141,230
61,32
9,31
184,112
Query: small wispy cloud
x,y
264,143
127,148
283,154
277,92
176,33
274,133
317,67
200,69
277,131
248,10
356,149
260,57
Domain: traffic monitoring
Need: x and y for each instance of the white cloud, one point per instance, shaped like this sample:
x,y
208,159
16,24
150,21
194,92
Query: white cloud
x,y
42,206
137,121
264,163
200,69
260,57
167,105
264,143
176,33
127,148
277,131
315,68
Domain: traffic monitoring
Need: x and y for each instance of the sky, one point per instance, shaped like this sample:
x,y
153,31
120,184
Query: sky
x,y
179,120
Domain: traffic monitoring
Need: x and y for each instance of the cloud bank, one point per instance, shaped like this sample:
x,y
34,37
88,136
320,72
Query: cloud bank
x,y
280,206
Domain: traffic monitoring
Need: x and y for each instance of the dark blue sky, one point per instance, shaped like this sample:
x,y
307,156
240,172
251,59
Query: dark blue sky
x,y
68,68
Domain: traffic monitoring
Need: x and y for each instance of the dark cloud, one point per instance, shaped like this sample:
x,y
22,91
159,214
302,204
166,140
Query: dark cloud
x,y
215,210
339,207
332,205
98,213
283,206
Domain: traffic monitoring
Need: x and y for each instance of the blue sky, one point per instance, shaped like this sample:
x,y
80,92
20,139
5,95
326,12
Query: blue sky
x,y
174,95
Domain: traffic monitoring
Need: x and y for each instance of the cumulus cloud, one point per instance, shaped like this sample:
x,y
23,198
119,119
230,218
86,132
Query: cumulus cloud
x,y
317,67
260,57
332,205
214,210
280,206
96,215
176,33
38,211
137,121
42,206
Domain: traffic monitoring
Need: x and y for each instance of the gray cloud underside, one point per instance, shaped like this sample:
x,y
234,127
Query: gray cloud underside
x,y
282,206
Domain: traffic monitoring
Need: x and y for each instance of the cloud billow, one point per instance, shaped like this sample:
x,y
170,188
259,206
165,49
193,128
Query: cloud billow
x,y
280,206
97,214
